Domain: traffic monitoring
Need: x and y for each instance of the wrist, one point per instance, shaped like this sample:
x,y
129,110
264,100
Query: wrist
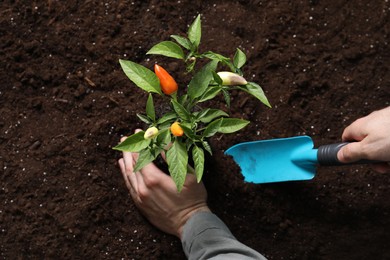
x,y
188,215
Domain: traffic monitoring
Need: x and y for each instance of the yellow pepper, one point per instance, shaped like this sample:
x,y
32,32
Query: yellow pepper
x,y
151,132
231,79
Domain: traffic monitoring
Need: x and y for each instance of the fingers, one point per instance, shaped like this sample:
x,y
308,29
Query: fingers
x,y
154,177
134,180
351,152
126,165
129,169
354,151
123,170
149,177
355,131
138,176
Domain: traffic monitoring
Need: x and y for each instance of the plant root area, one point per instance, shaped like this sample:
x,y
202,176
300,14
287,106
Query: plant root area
x,y
65,102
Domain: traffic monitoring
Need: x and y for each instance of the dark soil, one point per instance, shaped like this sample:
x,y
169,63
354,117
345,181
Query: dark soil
x,y
65,102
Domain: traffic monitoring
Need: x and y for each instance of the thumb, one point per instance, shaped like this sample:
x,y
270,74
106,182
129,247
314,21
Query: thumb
x,y
350,153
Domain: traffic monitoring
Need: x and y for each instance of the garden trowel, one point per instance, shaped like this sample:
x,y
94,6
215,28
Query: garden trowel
x,y
285,159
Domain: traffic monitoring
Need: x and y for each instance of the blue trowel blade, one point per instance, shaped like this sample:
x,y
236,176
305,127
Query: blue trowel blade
x,y
276,160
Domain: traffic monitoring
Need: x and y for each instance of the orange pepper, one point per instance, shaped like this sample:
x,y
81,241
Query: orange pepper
x,y
167,82
176,129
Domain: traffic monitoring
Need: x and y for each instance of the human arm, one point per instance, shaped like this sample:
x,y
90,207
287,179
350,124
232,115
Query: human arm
x,y
185,214
370,136
205,236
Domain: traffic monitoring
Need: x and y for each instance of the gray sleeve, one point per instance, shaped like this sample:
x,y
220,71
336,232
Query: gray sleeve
x,y
205,236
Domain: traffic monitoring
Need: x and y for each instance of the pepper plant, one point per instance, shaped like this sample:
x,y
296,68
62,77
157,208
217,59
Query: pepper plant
x,y
183,132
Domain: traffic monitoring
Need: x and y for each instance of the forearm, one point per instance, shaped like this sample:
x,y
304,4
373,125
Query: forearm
x,y
205,236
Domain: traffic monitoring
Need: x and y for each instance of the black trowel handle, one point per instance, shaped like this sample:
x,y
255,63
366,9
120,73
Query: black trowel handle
x,y
327,155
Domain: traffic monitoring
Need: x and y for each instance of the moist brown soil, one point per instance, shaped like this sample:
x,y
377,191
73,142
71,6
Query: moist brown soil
x,y
65,103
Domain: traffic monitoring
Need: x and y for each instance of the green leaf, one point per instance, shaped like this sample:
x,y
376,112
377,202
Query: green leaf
x,y
212,128
256,91
198,157
200,114
167,117
207,147
201,80
210,114
150,108
211,92
177,159
180,110
226,96
195,32
182,41
239,58
141,76
133,143
190,66
145,157
217,78
218,57
165,125
183,100
224,126
185,124
231,125
168,49
163,138
144,119
188,131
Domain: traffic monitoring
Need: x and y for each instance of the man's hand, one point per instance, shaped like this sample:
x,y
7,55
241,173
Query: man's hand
x,y
372,140
156,196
